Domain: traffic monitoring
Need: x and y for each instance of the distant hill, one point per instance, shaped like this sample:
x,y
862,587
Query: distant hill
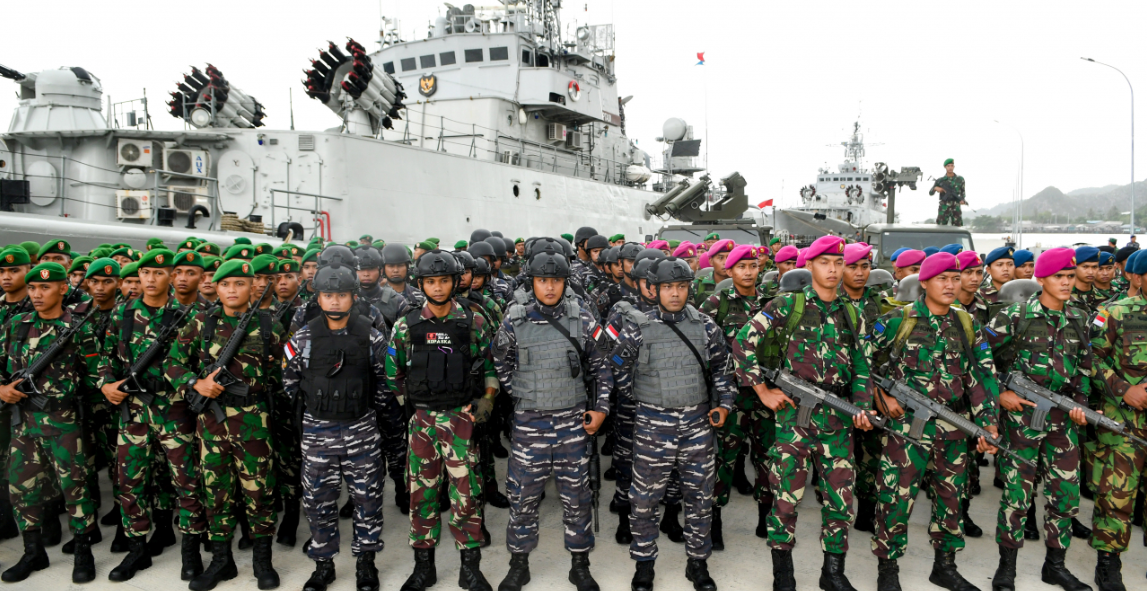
x,y
1091,191
1091,203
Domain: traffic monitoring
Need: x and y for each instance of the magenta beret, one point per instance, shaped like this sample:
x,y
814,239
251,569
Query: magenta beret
x,y
854,253
703,261
941,262
739,253
787,252
969,259
762,250
801,260
685,250
721,246
1053,261
658,244
830,245
909,258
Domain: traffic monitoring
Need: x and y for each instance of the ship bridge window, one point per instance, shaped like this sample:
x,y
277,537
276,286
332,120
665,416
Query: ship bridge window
x,y
499,54
427,61
473,55
527,57
408,64
388,67
543,61
447,58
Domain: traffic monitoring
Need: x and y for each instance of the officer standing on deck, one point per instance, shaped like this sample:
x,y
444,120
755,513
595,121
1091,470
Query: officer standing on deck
x,y
336,375
546,356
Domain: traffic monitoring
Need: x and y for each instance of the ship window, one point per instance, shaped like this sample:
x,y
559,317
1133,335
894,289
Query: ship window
x,y
527,57
447,58
557,98
543,60
408,64
388,67
427,61
473,55
498,54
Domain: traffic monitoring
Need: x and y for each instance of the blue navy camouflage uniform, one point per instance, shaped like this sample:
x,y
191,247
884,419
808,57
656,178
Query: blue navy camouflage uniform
x,y
391,413
676,434
545,439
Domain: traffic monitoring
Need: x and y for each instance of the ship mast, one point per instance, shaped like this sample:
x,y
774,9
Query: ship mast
x,y
854,148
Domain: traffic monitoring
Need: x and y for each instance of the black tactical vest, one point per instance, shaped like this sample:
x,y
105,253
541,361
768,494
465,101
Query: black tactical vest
x,y
338,383
440,362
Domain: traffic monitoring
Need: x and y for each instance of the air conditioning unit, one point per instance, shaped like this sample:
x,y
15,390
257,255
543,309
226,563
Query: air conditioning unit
x,y
556,132
190,162
510,157
574,140
133,205
182,199
137,152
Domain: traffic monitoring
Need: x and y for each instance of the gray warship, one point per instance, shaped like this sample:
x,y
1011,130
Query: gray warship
x,y
493,120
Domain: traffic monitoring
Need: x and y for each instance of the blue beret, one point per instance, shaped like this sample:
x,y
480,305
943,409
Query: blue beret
x,y
1106,258
1003,252
1136,263
952,249
898,253
1086,254
931,250
1022,257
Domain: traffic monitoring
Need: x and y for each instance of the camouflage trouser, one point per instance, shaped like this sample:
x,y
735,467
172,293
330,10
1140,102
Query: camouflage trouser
x,y
1056,450
544,443
1116,474
287,453
751,422
173,433
797,448
103,435
392,428
668,439
364,478
235,460
485,436
901,467
949,214
440,447
869,446
623,417
34,461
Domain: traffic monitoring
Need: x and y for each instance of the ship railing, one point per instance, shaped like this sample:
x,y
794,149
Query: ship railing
x,y
317,211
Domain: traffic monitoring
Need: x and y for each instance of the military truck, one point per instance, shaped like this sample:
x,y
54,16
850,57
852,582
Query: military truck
x,y
888,238
684,201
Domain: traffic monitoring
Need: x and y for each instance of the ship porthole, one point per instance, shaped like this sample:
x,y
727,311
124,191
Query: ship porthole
x,y
537,194
516,191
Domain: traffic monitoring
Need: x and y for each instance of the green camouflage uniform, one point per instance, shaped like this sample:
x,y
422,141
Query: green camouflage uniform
x,y
949,212
868,444
702,288
1088,301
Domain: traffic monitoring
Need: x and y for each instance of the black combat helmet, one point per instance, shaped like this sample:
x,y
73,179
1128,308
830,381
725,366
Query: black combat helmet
x,y
480,249
596,241
437,263
509,244
796,280
465,258
608,256
629,251
570,252
583,233
1019,290
669,270
479,235
648,254
369,258
338,252
550,245
481,267
336,278
395,254
770,276
496,233
498,245
547,264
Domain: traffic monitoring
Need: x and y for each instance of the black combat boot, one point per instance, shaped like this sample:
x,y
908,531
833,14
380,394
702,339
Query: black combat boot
x,y
763,511
671,524
495,498
83,563
245,540
120,543
113,517
1055,571
623,535
324,575
1005,579
288,529
487,539
8,527
865,516
50,529
222,568
189,555
401,497
887,575
784,578
610,473
944,573
697,572
94,538
424,574
163,535
971,530
643,576
579,572
519,573
265,572
347,510
715,531
740,478
497,448
832,574
1031,527
365,573
1078,530
471,571
443,498
137,559
35,558
1107,572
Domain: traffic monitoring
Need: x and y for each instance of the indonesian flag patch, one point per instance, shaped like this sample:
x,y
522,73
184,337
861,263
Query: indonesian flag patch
x,y
1100,319
612,332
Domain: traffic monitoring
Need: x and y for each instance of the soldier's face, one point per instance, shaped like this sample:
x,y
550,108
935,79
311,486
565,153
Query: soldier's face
x,y
970,279
694,263
745,273
1001,270
336,301
286,285
594,253
902,272
395,273
55,257
12,278
206,286
856,274
1105,275
941,289
76,278
368,278
186,279
626,267
260,283
130,287
673,296
718,262
549,290
466,279
826,271
1058,286
949,168
154,282
235,292
647,290
123,260
47,296
775,247
438,289
520,248
785,267
1026,270
477,282
102,289
1085,273
309,269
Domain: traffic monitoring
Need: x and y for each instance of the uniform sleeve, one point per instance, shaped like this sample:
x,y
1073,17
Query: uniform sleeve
x,y
1105,335
745,345
710,305
294,363
5,371
184,354
1085,368
999,329
396,359
506,356
481,349
982,387
596,358
720,365
860,358
880,338
110,363
624,357
378,345
88,347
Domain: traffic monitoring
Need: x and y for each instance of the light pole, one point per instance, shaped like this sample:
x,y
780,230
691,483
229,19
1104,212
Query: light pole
x,y
1020,201
1087,59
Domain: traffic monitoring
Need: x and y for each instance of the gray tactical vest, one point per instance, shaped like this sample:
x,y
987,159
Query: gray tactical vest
x,y
388,303
543,380
667,374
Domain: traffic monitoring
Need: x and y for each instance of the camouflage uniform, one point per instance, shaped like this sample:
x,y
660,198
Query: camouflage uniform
x,y
235,453
990,292
311,310
827,349
439,444
981,312
8,311
869,444
1088,301
703,287
604,296
166,424
586,273
392,304
336,450
672,436
934,360
549,440
284,426
49,444
949,212
1054,352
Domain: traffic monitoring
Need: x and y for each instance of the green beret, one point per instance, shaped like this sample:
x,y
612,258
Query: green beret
x,y
288,266
232,268
14,256
263,248
208,248
286,251
461,245
310,255
157,243
211,263
124,251
243,240
160,258
101,253
129,270
617,237
434,240
80,264
519,240
189,244
75,254
378,244
568,237
265,264
674,243
104,245
949,161
245,252
46,273
426,245
55,247
104,267
774,241
189,258
120,245
32,248
713,236
366,237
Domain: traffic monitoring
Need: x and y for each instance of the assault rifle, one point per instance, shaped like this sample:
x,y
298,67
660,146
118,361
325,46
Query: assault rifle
x,y
231,383
29,374
925,409
809,397
132,385
950,193
594,468
1045,400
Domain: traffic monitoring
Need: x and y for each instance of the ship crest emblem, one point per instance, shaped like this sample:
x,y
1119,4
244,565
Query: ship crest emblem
x,y
428,85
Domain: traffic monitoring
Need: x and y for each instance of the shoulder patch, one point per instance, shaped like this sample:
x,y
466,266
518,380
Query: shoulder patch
x,y
1100,319
878,328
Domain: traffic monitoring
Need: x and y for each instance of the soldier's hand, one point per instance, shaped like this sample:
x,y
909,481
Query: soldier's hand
x,y
208,386
113,393
940,189
721,413
774,398
1136,397
9,393
482,409
983,446
861,421
1077,415
593,421
1012,401
891,407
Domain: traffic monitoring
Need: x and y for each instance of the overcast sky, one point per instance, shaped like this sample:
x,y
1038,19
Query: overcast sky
x,y
784,80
